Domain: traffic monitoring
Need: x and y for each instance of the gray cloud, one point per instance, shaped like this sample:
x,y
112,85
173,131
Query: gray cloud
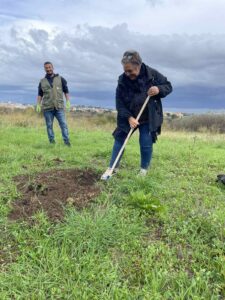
x,y
154,2
89,58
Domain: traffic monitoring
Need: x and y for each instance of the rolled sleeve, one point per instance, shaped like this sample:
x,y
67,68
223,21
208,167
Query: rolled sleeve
x,y
64,86
40,92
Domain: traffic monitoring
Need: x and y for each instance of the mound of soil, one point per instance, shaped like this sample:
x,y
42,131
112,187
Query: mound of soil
x,y
51,191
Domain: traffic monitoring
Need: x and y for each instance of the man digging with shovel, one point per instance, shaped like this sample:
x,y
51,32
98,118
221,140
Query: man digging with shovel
x,y
138,103
50,98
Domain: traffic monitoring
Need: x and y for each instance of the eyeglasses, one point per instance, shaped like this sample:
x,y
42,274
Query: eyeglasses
x,y
129,71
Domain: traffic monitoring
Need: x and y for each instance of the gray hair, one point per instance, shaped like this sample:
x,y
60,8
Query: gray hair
x,y
131,57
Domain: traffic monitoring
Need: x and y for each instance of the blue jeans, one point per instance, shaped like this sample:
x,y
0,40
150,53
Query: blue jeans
x,y
60,116
146,146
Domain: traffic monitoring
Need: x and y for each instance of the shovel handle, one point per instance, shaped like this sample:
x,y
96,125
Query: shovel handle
x,y
128,136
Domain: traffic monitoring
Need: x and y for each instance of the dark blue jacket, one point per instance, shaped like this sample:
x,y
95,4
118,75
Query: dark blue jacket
x,y
131,94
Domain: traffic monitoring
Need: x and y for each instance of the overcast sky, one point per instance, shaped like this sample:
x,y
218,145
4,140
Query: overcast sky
x,y
183,39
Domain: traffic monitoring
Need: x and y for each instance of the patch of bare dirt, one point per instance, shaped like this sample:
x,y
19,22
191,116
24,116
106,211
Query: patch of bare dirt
x,y
51,191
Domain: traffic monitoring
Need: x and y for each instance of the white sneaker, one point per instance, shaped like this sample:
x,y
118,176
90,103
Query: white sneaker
x,y
142,172
108,173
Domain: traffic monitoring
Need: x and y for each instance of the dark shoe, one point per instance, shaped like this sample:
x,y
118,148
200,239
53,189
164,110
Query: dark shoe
x,y
221,178
52,142
67,144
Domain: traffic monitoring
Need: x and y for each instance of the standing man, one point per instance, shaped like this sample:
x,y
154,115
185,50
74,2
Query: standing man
x,y
50,99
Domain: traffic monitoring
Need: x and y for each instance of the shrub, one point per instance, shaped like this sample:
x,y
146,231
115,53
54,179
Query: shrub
x,y
200,123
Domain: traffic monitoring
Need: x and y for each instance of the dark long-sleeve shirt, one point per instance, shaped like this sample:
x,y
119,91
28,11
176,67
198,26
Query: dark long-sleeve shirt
x,y
50,80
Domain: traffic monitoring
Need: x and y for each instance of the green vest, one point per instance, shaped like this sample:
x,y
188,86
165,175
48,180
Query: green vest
x,y
52,96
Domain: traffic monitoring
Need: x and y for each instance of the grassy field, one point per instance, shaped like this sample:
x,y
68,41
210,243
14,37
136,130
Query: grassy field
x,y
161,237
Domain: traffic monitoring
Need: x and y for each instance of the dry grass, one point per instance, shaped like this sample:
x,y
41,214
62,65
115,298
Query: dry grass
x,y
75,120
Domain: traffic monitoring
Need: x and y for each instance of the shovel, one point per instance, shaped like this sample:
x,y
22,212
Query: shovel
x,y
126,140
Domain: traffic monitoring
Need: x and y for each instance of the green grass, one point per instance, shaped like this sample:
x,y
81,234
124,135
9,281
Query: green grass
x,y
161,237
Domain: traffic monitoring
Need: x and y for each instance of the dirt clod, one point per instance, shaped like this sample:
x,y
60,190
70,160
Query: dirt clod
x,y
51,191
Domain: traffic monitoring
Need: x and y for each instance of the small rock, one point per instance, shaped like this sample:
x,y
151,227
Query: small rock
x,y
70,200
